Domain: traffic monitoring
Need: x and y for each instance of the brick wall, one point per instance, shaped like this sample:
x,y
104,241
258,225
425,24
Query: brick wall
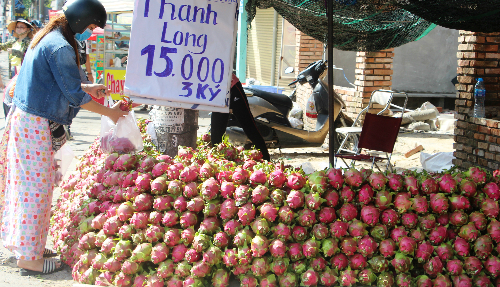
x,y
477,140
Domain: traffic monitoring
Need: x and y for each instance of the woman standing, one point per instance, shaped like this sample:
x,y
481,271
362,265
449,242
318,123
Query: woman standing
x,y
48,95
22,32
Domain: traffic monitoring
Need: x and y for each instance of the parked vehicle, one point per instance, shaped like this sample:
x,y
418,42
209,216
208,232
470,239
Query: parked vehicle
x,y
271,110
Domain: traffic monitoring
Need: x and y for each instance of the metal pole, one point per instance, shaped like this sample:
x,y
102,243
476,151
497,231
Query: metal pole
x,y
41,10
331,138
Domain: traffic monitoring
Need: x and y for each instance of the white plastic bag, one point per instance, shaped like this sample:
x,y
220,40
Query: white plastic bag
x,y
296,123
311,108
436,162
122,137
63,158
296,111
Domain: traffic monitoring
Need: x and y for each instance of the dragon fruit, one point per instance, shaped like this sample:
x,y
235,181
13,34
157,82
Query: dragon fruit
x,y
411,184
277,178
492,265
295,251
379,232
459,202
295,181
212,208
434,266
277,248
200,269
339,261
210,189
159,253
418,235
468,188
221,239
221,278
365,277
309,278
437,235
318,264
472,265
162,203
339,229
310,248
477,175
313,201
196,204
348,246
480,222
444,251
482,280
178,252
395,182
329,247
295,199
326,215
230,258
427,222
490,208
389,217
243,237
347,278
407,245
357,228
420,204
260,194
299,233
260,266
365,194
278,197
212,256
447,183
459,218
209,225
142,253
377,180
483,247
429,185
331,198
188,219
143,202
370,215
353,178
424,251
112,225
259,245
170,218
348,212
306,217
402,202
335,178
143,182
424,281
232,226
409,220
286,214
439,203
172,236
469,232
242,194
159,185
246,213
387,247
401,262
320,231
227,189
282,232
454,267
367,246
260,226
258,177
442,281
383,199
462,247
347,194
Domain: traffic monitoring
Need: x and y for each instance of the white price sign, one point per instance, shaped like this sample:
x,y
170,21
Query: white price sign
x,y
181,53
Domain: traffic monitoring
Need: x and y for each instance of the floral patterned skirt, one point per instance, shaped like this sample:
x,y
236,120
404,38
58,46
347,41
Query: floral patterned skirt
x,y
26,184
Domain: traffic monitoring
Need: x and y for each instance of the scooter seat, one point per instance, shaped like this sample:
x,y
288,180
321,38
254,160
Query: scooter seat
x,y
275,99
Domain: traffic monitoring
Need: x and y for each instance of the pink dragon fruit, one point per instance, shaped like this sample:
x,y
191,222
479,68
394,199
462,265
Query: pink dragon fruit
x,y
277,178
483,247
242,194
427,222
309,278
221,278
268,211
347,278
477,175
377,180
387,247
112,225
306,217
492,265
494,230
260,266
409,220
339,229
347,194
188,219
320,231
402,202
401,262
295,181
259,245
442,281
353,178
212,208
437,235
335,178
365,194
459,218
389,217
143,202
279,266
121,280
411,184
299,233
370,215
490,208
439,203
395,182
367,246
379,232
160,168
482,280
459,202
461,247
348,246
162,203
230,258
468,188
159,185
159,253
420,204
469,232
331,198
210,189
260,226
277,248
232,226
313,201
190,190
447,183
339,261
282,232
227,189
295,199
424,252
383,199
155,217
295,251
444,251
348,212
278,197
365,277
143,182
310,248
472,265
125,211
480,221
142,253
189,174
429,185
246,213
454,267
318,264
327,215
209,225
434,266
258,177
196,204
357,228
98,221
424,281
407,245
260,194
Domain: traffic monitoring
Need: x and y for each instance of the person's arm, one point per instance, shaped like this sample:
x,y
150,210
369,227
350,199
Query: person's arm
x,y
113,113
88,69
7,45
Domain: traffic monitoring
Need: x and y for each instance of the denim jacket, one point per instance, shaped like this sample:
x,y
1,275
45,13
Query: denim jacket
x,y
49,84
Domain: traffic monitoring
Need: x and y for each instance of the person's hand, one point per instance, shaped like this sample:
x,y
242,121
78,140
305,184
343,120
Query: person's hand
x,y
96,90
91,77
124,59
116,113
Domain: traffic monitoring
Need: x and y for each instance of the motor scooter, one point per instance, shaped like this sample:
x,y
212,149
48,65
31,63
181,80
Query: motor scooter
x,y
271,110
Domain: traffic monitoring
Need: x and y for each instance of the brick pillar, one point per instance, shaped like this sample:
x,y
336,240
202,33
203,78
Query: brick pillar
x,y
477,140
373,72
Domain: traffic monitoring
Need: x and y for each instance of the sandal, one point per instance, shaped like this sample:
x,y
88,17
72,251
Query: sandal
x,y
49,267
47,253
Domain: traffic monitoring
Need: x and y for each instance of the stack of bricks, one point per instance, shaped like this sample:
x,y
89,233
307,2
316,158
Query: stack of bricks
x,y
373,72
477,140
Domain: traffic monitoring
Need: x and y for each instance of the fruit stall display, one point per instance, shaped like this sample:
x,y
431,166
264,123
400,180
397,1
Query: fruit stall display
x,y
208,214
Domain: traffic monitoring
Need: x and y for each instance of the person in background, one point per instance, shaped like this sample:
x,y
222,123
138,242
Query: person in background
x,y
22,32
241,110
37,25
48,94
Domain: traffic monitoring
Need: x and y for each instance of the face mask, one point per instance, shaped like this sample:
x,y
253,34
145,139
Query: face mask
x,y
83,36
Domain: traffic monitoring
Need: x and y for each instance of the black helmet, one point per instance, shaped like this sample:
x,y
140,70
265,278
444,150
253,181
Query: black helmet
x,y
81,13
37,24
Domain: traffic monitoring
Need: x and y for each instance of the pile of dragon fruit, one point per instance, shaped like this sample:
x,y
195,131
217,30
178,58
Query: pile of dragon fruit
x,y
212,213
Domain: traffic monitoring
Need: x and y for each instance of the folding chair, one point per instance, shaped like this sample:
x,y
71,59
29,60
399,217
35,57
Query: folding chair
x,y
349,143
378,133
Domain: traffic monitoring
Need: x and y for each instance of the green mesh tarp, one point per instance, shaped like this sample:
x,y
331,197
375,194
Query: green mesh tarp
x,y
362,26
373,25
470,15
